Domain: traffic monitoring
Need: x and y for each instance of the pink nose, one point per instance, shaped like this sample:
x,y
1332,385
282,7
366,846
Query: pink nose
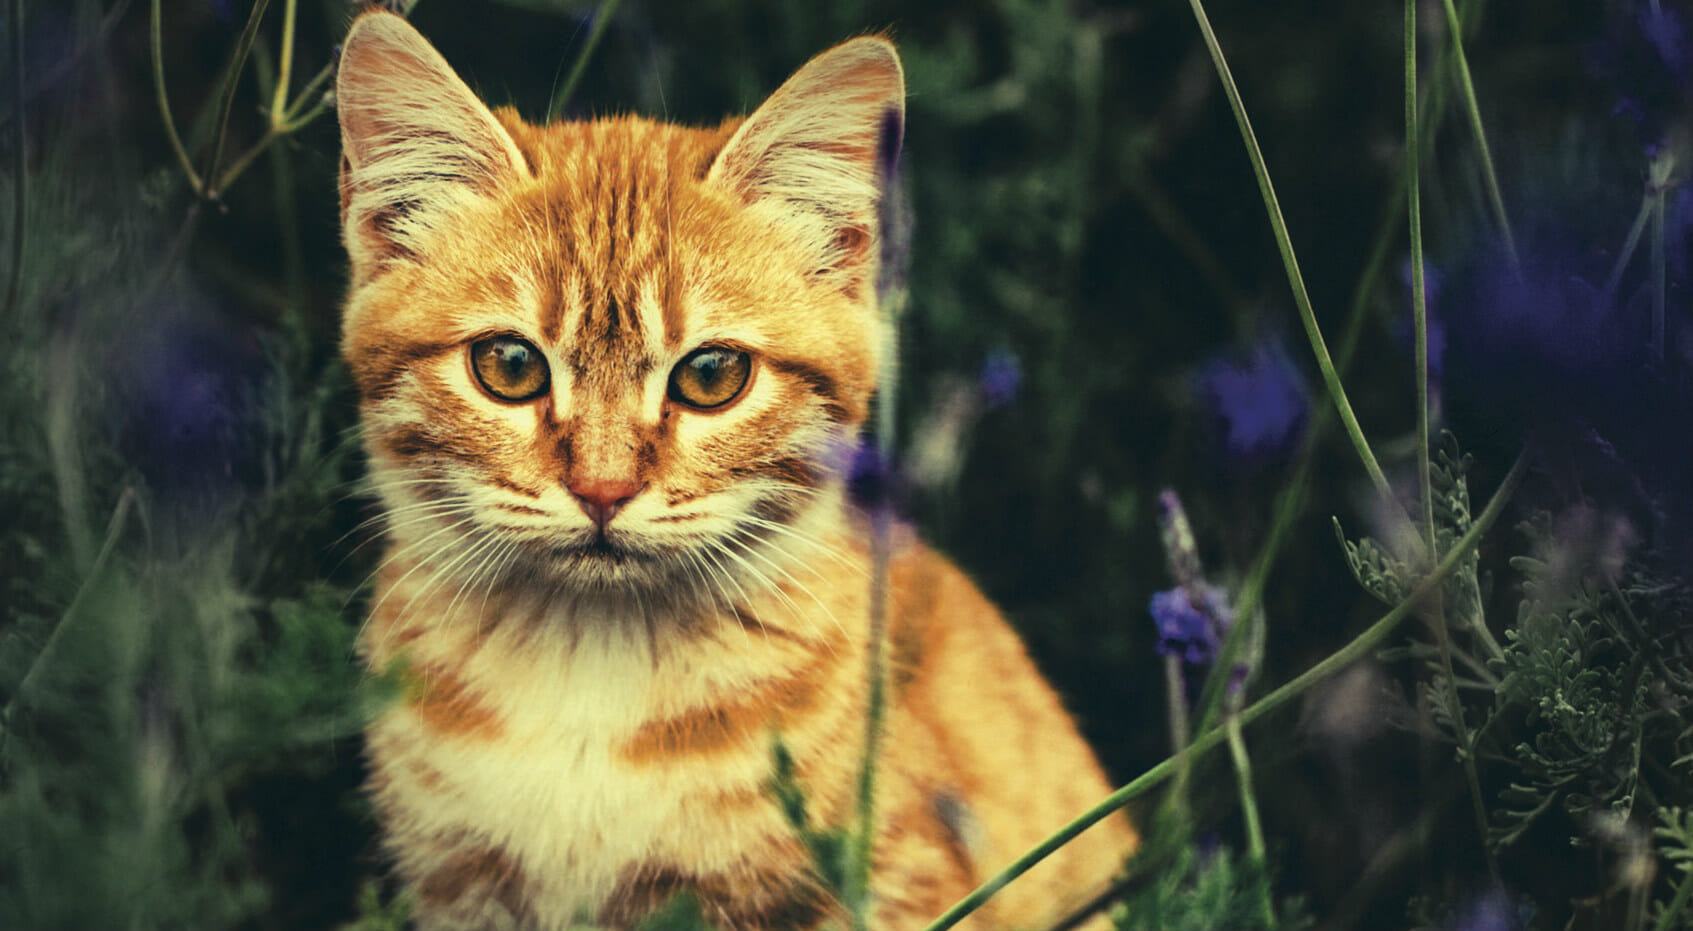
x,y
601,498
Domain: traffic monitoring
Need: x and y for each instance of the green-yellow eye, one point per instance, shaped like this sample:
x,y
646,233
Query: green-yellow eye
x,y
509,368
710,376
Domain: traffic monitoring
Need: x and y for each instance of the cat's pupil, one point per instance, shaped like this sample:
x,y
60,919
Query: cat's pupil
x,y
708,371
513,359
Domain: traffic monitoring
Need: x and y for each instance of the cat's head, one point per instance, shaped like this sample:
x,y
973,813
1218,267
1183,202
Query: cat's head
x,y
612,354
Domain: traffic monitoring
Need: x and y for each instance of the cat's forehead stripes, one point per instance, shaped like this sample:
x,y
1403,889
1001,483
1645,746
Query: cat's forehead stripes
x,y
607,202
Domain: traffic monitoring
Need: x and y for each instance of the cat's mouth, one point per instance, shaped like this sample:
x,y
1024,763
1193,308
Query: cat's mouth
x,y
601,558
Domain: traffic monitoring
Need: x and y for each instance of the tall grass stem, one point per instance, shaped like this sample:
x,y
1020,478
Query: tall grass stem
x,y
602,19
285,66
1660,183
1490,178
1419,297
231,84
156,44
1255,850
1284,243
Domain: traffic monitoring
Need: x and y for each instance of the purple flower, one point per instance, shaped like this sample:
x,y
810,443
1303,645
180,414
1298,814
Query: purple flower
x,y
1644,57
1257,402
1559,352
873,479
1490,912
1001,376
1189,628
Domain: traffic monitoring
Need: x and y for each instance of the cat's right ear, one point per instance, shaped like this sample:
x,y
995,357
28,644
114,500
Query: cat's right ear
x,y
416,142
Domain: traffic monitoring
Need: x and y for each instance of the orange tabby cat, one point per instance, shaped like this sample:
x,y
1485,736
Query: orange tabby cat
x,y
607,370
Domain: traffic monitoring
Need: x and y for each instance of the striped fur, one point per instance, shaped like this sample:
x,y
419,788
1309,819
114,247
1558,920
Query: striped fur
x,y
591,706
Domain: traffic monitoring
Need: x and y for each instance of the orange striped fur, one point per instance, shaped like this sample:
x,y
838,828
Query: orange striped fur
x,y
607,596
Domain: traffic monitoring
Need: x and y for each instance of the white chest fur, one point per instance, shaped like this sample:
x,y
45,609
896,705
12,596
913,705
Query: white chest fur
x,y
554,788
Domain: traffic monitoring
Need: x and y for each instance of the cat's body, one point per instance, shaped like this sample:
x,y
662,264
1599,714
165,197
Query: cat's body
x,y
611,374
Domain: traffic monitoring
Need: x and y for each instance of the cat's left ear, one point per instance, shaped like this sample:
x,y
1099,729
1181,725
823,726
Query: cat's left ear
x,y
817,155
416,142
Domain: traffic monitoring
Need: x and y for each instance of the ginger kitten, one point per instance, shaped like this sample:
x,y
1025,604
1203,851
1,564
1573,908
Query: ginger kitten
x,y
607,373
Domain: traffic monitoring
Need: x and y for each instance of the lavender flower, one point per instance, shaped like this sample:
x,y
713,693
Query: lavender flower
x,y
1191,622
873,480
1257,401
1181,551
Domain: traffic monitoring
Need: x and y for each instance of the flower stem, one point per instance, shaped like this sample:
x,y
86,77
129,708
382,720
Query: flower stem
x,y
285,68
1660,183
1630,242
1419,317
602,18
1473,110
1359,647
1284,243
163,99
1175,692
1419,297
1255,851
231,83
1425,486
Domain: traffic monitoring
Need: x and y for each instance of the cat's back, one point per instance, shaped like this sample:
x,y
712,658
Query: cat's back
x,y
999,757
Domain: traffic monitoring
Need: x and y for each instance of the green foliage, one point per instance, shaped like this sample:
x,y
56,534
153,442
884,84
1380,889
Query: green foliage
x,y
1674,835
1583,697
1204,891
377,914
830,847
681,913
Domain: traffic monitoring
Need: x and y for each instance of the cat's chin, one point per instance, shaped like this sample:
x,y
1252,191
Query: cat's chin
x,y
603,564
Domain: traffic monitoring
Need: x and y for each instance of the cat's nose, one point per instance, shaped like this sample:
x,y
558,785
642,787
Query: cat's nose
x,y
602,498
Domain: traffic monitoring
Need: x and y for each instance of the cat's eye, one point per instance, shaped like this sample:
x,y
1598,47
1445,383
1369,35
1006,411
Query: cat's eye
x,y
509,368
709,377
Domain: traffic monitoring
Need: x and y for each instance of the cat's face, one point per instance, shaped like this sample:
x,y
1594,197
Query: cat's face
x,y
613,355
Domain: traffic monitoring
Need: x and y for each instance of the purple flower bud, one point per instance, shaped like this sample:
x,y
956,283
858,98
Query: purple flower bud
x,y
1180,549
